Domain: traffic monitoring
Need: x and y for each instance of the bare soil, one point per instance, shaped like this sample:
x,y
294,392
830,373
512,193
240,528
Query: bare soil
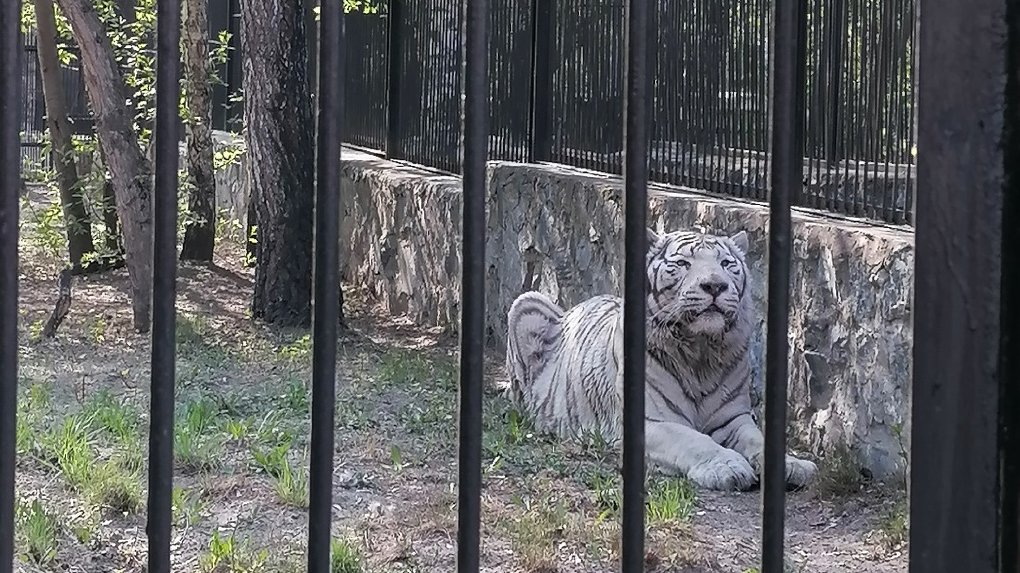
x,y
243,394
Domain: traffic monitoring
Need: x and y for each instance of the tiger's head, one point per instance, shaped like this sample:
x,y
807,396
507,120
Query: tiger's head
x,y
696,282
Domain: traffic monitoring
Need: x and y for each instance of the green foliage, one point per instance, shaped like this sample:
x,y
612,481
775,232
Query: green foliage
x,y
229,555
291,483
362,6
345,557
186,507
667,499
37,531
195,446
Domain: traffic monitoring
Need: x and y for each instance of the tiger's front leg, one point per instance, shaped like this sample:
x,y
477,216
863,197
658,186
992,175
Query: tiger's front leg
x,y
681,450
743,435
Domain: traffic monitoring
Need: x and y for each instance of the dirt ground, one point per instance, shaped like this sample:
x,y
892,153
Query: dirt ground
x,y
241,452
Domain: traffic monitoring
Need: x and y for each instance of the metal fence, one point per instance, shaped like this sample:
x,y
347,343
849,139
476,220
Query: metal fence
x,y
556,91
965,482
557,88
33,117
227,113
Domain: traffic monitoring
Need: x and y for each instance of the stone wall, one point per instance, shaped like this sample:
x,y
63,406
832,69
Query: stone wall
x,y
558,230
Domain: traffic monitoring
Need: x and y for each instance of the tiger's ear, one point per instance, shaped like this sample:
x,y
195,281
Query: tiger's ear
x,y
740,241
653,238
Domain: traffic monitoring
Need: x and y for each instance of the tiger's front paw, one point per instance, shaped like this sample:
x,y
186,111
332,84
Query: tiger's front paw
x,y
799,473
727,471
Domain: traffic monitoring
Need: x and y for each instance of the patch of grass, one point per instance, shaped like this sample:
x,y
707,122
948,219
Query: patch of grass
x,y
97,331
296,397
345,557
237,430
195,446
114,418
291,483
270,431
292,486
115,488
84,527
350,412
185,506
404,368
298,350
670,500
534,534
229,555
191,330
69,448
431,415
607,493
38,532
667,500
199,348
396,458
895,526
840,474
35,330
32,410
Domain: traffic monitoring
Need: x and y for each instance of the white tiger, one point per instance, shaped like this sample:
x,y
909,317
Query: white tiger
x,y
565,367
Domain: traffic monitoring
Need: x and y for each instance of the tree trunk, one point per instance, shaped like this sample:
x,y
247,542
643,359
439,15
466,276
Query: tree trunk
x,y
200,234
76,219
280,147
130,169
114,247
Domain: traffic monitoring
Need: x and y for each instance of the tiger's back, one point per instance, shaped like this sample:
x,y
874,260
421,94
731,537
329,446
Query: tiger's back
x,y
563,365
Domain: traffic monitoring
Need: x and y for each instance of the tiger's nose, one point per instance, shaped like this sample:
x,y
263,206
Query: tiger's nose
x,y
714,287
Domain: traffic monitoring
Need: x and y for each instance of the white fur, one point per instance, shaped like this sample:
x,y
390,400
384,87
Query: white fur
x,y
565,367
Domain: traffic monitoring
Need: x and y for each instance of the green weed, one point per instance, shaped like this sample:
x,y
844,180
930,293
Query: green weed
x,y
115,488
186,507
228,555
114,418
840,474
345,557
69,447
534,534
195,447
670,499
291,483
37,531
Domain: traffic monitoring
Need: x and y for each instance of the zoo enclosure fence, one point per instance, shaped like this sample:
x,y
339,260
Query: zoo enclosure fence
x,y
556,91
965,480
557,79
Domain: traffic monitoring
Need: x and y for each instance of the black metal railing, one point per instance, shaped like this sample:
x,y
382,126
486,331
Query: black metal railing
x,y
966,475
710,104
11,60
556,89
33,112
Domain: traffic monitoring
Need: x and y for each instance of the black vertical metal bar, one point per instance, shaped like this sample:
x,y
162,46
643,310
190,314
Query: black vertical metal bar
x,y
786,171
1009,409
965,349
234,72
540,105
394,73
326,269
475,82
164,284
836,20
635,181
911,181
10,185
